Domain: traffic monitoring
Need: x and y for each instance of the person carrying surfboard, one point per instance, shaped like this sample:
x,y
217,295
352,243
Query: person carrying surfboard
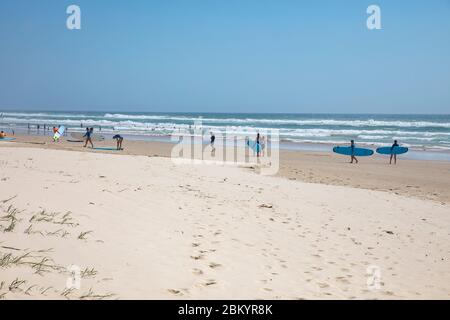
x,y
54,132
393,155
258,145
55,137
352,156
88,136
212,139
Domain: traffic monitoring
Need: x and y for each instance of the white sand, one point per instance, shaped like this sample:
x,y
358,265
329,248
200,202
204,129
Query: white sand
x,y
166,231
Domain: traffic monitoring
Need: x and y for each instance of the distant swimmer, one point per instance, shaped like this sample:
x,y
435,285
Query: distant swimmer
x,y
119,140
392,154
88,136
352,156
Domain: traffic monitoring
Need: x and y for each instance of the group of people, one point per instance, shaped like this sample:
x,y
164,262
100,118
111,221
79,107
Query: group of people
x,y
393,155
88,139
258,147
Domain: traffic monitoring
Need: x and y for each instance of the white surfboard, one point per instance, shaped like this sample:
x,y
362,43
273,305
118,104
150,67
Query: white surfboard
x,y
59,133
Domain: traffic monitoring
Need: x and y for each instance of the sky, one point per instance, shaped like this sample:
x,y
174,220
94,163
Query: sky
x,y
226,56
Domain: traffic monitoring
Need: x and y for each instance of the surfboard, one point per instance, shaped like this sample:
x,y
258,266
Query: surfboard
x,y
359,152
106,149
254,146
392,150
59,133
7,139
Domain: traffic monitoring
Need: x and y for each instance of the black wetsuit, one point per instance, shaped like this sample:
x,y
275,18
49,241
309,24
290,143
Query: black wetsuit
x,y
394,145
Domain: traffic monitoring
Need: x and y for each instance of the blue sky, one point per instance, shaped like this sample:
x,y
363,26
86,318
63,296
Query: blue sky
x,y
226,56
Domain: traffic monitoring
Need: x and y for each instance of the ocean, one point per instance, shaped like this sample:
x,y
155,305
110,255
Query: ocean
x,y
418,132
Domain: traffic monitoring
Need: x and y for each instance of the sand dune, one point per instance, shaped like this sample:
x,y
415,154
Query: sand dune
x,y
142,227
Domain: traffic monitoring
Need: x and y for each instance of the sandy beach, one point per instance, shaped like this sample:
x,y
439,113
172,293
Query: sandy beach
x,y
220,159
422,179
136,225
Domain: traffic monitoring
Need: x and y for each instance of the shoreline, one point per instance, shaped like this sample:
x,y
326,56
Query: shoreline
x,y
414,153
424,179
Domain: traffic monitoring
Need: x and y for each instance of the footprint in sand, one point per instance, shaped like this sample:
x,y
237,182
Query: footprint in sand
x,y
197,272
342,280
214,265
175,292
323,285
210,282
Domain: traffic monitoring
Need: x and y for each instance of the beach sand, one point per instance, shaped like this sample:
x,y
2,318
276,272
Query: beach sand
x,y
137,225
422,179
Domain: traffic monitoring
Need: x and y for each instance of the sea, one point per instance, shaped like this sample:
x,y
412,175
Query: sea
x,y
306,131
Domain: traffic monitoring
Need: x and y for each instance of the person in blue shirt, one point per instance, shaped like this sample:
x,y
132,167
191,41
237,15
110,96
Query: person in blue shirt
x,y
88,136
352,156
394,155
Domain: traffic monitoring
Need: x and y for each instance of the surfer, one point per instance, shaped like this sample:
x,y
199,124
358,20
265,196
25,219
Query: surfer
x,y
55,131
352,156
392,154
119,140
88,135
213,138
2,135
258,145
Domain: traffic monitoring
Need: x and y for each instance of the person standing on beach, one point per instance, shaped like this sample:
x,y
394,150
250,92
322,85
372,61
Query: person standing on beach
x,y
393,155
213,138
119,140
88,135
258,145
352,146
55,130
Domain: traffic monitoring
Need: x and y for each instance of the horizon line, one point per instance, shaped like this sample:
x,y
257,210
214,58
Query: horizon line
x,y
232,112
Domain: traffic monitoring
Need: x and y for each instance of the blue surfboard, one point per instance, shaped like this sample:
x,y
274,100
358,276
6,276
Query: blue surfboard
x,y
7,139
254,145
348,151
392,150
